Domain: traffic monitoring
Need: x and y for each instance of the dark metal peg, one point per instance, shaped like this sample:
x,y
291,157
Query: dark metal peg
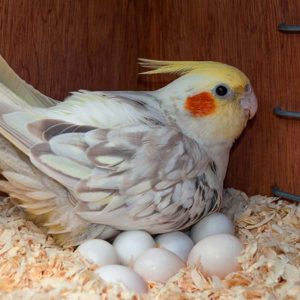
x,y
279,193
288,28
286,114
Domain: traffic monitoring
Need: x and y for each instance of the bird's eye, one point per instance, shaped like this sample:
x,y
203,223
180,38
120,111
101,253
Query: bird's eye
x,y
248,88
221,90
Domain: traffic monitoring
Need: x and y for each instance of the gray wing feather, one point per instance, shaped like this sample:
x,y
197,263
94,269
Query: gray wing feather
x,y
138,176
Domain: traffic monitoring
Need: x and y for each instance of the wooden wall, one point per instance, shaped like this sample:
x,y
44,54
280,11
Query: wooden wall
x,y
64,45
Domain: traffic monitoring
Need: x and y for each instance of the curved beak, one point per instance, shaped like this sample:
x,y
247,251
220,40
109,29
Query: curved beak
x,y
249,104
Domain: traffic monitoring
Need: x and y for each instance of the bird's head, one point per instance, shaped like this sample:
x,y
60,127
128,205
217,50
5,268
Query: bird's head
x,y
211,101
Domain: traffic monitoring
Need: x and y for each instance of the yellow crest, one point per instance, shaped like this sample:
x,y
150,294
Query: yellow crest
x,y
217,69
171,67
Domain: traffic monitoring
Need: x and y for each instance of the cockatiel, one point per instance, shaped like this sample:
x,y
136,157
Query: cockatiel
x,y
101,162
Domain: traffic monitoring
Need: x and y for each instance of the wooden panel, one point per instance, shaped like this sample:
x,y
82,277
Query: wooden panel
x,y
272,150
64,45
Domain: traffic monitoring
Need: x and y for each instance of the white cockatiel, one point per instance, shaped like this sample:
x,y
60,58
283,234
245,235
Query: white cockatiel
x,y
101,162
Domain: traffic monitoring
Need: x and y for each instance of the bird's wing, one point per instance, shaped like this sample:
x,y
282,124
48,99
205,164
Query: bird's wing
x,y
98,109
45,201
108,109
136,175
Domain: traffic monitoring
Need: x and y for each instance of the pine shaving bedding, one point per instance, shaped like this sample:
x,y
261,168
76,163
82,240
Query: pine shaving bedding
x,y
33,267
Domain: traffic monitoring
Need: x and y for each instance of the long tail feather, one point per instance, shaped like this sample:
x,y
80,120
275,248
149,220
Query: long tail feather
x,y
19,105
23,90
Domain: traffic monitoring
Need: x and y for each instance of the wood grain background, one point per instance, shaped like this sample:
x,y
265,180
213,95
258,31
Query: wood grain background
x,y
64,45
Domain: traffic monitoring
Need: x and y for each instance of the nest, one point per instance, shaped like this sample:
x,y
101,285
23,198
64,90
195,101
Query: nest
x,y
33,267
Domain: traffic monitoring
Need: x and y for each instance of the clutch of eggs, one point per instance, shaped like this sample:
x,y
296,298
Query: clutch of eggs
x,y
135,257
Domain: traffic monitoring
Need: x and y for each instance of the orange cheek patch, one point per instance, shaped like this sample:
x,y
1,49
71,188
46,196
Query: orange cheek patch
x,y
200,105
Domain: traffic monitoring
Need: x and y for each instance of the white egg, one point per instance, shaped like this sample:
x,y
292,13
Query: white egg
x,y
99,252
176,242
213,224
122,274
131,244
158,264
216,254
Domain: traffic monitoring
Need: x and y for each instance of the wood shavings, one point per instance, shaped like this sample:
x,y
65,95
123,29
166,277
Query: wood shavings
x,y
33,267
